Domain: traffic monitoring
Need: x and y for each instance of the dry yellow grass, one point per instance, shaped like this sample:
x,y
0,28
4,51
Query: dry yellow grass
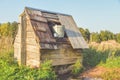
x,y
105,45
6,43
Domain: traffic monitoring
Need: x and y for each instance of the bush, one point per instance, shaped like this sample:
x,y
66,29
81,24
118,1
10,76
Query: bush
x,y
77,67
15,72
92,57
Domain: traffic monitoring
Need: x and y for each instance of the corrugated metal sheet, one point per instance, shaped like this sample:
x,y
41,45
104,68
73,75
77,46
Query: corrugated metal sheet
x,y
76,39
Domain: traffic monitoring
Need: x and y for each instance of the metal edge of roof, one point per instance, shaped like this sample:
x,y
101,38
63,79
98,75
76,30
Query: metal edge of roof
x,y
47,11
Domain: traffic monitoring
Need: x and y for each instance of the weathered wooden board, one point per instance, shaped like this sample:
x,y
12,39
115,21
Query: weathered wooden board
x,y
33,59
64,61
48,46
32,47
30,34
17,45
76,39
33,12
31,41
62,56
44,35
53,20
49,15
38,18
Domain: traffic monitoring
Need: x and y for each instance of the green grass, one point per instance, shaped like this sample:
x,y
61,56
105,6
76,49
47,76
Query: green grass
x,y
111,63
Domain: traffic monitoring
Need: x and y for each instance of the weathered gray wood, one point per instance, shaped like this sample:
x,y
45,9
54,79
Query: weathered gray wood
x,y
17,46
74,35
62,56
49,15
29,34
38,18
23,40
33,59
64,61
53,20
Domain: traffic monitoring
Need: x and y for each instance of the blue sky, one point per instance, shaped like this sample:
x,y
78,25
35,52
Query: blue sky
x,y
95,15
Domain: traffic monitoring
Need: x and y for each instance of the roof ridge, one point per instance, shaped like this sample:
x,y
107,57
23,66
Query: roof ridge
x,y
47,11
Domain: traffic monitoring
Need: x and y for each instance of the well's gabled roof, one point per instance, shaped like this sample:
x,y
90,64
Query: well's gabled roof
x,y
39,19
47,11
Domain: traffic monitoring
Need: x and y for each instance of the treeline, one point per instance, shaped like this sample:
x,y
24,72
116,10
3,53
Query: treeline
x,y
8,29
103,35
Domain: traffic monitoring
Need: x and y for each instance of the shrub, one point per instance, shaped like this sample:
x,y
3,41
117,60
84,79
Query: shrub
x,y
92,57
77,67
15,72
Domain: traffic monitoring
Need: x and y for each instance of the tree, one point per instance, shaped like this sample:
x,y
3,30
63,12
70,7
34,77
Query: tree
x,y
106,35
95,37
118,37
85,33
8,29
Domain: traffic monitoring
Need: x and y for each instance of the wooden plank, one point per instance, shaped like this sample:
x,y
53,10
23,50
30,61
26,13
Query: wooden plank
x,y
75,37
17,45
34,12
32,50
49,15
38,18
53,20
17,40
29,34
64,61
32,40
33,59
32,47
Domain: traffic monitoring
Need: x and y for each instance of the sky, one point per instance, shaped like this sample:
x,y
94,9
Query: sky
x,y
95,15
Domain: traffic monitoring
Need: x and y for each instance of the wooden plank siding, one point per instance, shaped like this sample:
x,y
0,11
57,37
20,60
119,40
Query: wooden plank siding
x,y
73,33
32,47
49,15
17,44
63,56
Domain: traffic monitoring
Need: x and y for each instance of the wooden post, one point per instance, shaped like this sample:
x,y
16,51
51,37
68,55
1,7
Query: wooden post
x,y
23,40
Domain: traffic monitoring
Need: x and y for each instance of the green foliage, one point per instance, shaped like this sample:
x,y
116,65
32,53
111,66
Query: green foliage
x,y
118,37
15,72
92,57
95,37
8,29
85,33
106,35
99,37
77,67
112,62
